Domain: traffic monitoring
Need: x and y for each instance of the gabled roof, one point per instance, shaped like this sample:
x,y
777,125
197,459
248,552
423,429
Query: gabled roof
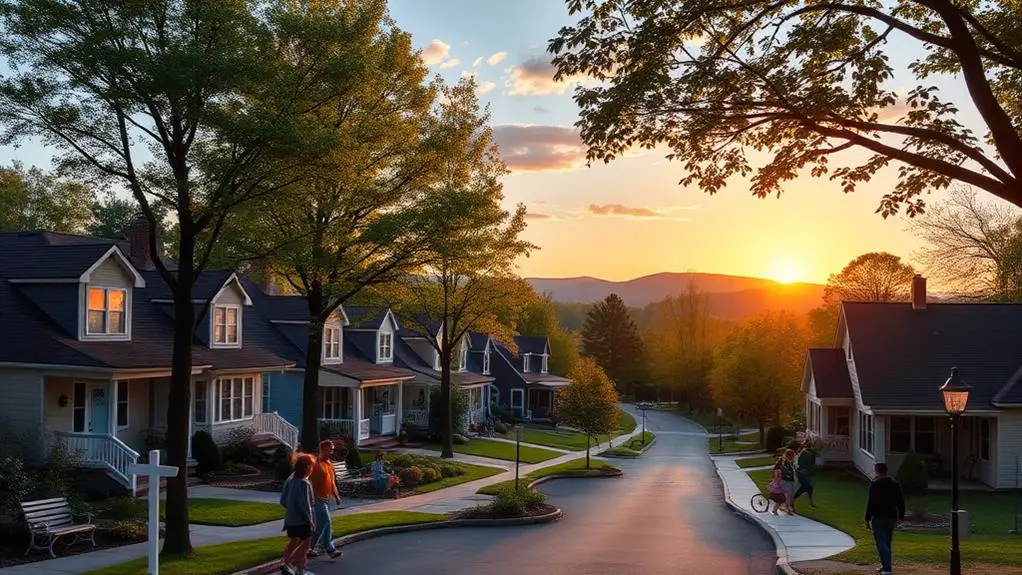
x,y
356,366
207,286
413,326
42,255
830,373
405,356
903,355
536,345
363,317
477,341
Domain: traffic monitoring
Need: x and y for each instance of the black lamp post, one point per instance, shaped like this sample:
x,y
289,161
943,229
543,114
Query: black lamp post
x,y
720,430
643,406
956,396
518,451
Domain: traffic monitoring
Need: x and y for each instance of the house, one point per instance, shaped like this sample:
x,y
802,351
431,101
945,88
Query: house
x,y
360,387
874,396
523,378
417,354
86,348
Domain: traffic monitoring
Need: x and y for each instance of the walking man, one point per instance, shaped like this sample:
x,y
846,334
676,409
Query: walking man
x,y
324,486
884,510
804,469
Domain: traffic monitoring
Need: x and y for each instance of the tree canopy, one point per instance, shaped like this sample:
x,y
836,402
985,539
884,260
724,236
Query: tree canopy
x,y
876,276
540,318
589,402
716,81
612,340
33,199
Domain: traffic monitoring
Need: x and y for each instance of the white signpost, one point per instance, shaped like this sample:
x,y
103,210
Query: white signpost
x,y
154,471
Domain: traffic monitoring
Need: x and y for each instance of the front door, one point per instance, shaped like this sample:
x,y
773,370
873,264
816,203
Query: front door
x,y
99,412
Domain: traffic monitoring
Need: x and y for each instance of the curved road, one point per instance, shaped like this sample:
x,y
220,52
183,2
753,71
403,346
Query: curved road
x,y
666,515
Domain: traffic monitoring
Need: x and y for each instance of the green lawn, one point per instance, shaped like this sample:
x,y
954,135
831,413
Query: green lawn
x,y
569,439
840,503
597,467
759,461
501,450
227,558
472,472
634,446
747,442
224,512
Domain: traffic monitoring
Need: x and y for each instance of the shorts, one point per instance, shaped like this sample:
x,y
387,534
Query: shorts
x,y
302,532
788,487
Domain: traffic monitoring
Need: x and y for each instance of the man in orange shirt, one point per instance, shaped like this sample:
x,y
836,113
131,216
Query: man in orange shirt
x,y
324,487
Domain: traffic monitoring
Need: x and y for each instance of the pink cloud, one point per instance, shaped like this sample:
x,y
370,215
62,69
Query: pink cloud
x,y
531,148
436,52
535,77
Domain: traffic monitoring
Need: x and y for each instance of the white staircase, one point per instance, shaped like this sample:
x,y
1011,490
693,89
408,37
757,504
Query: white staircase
x,y
103,451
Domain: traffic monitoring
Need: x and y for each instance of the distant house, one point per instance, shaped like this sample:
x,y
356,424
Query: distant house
x,y
86,348
874,396
523,381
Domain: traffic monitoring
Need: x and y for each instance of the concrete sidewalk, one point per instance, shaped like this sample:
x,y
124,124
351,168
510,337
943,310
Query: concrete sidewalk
x,y
797,538
446,500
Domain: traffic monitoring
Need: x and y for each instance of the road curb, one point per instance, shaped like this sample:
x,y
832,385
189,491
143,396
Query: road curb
x,y
575,475
273,566
637,454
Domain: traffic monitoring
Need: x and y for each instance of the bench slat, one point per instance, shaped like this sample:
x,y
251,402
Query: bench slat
x,y
37,508
40,502
52,520
49,512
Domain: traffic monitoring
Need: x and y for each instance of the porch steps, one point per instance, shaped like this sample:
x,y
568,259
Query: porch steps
x,y
267,444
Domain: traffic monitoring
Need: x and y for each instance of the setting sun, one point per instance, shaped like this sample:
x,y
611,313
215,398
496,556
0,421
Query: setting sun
x,y
787,272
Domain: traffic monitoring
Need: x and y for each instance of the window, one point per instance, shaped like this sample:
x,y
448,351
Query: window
x,y
266,394
463,359
225,324
106,311
486,362
201,404
925,435
545,363
517,398
984,439
386,349
78,409
525,362
233,397
122,404
837,420
901,434
866,432
331,343
332,403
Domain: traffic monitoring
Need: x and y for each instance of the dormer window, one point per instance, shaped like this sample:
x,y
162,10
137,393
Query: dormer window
x,y
463,359
436,360
525,362
486,362
331,344
545,363
106,311
385,351
226,325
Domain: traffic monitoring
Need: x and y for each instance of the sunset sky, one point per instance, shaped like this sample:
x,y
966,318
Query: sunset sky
x,y
629,218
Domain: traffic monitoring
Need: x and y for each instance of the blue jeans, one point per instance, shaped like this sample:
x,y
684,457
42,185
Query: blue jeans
x,y
883,534
324,536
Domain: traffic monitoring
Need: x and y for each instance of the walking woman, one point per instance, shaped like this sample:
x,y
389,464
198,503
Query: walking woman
x,y
787,471
297,499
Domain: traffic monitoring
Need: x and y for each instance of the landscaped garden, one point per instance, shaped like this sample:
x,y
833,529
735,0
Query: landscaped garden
x,y
226,558
566,438
634,447
841,502
421,474
574,468
500,450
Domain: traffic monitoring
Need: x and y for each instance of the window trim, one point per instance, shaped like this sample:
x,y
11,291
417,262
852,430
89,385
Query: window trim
x,y
380,357
545,367
520,393
122,398
463,358
867,434
212,325
525,363
327,358
486,362
339,401
218,397
86,332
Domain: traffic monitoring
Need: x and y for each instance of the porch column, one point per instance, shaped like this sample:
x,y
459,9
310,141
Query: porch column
x,y
357,415
111,409
399,407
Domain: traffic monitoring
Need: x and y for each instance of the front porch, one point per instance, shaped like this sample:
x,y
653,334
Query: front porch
x,y
361,413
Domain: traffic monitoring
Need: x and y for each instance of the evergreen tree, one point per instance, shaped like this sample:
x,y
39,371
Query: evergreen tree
x,y
611,339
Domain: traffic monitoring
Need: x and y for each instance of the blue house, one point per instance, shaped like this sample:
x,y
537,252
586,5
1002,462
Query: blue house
x,y
523,382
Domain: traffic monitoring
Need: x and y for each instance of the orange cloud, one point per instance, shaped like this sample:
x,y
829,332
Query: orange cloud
x,y
537,216
620,210
436,52
531,148
450,63
535,77
497,58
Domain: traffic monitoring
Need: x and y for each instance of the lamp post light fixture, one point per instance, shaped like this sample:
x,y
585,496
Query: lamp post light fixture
x,y
956,397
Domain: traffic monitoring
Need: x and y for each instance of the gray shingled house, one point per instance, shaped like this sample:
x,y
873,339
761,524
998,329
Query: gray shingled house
x,y
874,396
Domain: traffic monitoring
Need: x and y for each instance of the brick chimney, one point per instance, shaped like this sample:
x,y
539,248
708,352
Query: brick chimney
x,y
138,239
918,292
261,272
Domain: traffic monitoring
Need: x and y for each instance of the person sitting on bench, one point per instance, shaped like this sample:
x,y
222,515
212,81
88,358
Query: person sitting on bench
x,y
383,481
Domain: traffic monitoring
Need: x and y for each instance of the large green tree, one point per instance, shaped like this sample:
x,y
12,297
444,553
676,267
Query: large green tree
x,y
876,276
680,342
611,338
197,106
589,402
716,80
540,318
33,199
113,217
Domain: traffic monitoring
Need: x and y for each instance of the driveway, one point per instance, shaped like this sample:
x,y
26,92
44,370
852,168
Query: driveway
x,y
665,516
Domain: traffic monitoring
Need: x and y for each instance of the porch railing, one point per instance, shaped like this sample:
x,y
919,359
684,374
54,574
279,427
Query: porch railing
x,y
418,417
363,429
345,427
276,426
104,451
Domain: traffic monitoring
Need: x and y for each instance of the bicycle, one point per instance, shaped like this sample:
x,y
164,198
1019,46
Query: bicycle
x,y
761,503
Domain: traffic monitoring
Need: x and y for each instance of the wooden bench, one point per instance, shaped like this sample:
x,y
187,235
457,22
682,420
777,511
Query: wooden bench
x,y
349,481
51,519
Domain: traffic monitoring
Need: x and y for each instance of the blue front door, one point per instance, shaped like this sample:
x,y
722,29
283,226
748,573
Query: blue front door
x,y
99,412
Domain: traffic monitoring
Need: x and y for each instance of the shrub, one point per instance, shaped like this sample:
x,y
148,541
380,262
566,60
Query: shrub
x,y
511,503
240,446
438,411
430,475
206,452
58,475
15,485
410,477
912,477
353,459
122,509
774,438
501,427
232,469
131,530
451,471
459,439
402,461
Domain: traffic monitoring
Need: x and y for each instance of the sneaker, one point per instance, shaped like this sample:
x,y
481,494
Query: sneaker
x,y
286,570
335,553
312,553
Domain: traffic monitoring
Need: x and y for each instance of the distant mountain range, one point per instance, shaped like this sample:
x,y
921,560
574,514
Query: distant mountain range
x,y
732,297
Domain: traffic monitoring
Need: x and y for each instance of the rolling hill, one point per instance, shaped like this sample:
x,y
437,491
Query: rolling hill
x,y
731,297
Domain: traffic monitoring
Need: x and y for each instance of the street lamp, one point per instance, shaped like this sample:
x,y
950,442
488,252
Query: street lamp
x,y
720,430
643,407
518,451
956,396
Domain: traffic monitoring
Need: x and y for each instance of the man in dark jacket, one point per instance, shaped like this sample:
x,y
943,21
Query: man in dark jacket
x,y
884,510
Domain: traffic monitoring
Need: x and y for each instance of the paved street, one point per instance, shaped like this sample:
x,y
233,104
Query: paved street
x,y
665,516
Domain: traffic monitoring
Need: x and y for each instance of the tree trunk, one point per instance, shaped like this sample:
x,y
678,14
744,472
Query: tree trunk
x,y
313,358
762,432
177,539
445,398
589,440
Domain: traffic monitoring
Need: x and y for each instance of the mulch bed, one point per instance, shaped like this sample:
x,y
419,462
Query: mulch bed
x,y
262,481
927,522
483,513
12,550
